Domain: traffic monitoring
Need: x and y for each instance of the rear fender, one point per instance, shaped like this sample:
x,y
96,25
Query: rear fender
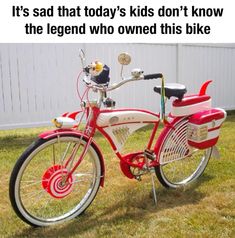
x,y
60,132
168,127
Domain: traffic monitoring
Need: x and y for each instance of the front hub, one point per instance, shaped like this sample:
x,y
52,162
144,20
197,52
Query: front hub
x,y
57,181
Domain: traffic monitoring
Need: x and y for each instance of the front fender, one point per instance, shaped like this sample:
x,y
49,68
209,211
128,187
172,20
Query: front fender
x,y
60,132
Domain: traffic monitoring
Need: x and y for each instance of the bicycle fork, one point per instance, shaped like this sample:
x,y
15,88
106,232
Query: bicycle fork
x,y
69,162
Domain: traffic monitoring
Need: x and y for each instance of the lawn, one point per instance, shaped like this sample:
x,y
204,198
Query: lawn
x,y
125,207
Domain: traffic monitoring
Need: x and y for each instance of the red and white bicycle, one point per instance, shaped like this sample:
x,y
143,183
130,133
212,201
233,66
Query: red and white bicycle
x,y
59,175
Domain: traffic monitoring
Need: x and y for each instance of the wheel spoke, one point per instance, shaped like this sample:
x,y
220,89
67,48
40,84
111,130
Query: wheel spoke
x,y
65,153
30,184
53,153
83,174
31,194
41,194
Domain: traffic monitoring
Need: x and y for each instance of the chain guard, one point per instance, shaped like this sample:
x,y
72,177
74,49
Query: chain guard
x,y
131,163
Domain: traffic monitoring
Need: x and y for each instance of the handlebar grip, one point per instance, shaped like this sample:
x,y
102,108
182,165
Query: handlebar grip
x,y
153,76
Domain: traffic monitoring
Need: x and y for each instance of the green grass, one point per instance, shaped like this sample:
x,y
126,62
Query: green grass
x,y
125,207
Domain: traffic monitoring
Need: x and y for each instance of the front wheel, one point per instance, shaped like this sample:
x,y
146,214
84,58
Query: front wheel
x,y
180,164
41,190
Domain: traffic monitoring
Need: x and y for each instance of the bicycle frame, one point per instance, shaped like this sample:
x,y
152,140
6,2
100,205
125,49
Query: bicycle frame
x,y
124,122
94,123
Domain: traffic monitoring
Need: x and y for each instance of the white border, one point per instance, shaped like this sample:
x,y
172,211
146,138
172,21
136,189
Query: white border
x,y
222,29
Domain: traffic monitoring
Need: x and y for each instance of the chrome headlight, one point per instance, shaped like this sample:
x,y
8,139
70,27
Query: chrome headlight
x,y
64,122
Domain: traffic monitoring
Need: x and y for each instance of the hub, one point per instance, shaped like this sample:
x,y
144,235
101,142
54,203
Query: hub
x,y
57,181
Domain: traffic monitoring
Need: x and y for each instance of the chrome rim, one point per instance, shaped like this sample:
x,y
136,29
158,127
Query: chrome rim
x,y
35,202
184,171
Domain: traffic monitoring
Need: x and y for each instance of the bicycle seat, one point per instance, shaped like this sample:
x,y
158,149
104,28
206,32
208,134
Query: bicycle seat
x,y
172,90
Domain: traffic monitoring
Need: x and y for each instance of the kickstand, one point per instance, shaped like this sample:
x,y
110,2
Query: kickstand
x,y
154,189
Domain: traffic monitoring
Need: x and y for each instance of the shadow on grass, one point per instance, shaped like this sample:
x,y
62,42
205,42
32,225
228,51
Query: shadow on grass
x,y
134,206
16,141
26,139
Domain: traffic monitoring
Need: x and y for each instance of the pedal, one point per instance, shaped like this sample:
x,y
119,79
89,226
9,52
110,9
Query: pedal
x,y
150,154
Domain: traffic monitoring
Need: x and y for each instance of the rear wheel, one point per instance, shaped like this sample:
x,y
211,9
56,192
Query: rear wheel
x,y
180,164
42,193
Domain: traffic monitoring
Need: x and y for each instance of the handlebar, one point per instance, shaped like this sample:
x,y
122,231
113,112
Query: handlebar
x,y
117,85
104,88
145,77
153,76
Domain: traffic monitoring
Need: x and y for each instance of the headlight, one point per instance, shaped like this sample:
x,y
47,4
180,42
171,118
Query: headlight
x,y
64,122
